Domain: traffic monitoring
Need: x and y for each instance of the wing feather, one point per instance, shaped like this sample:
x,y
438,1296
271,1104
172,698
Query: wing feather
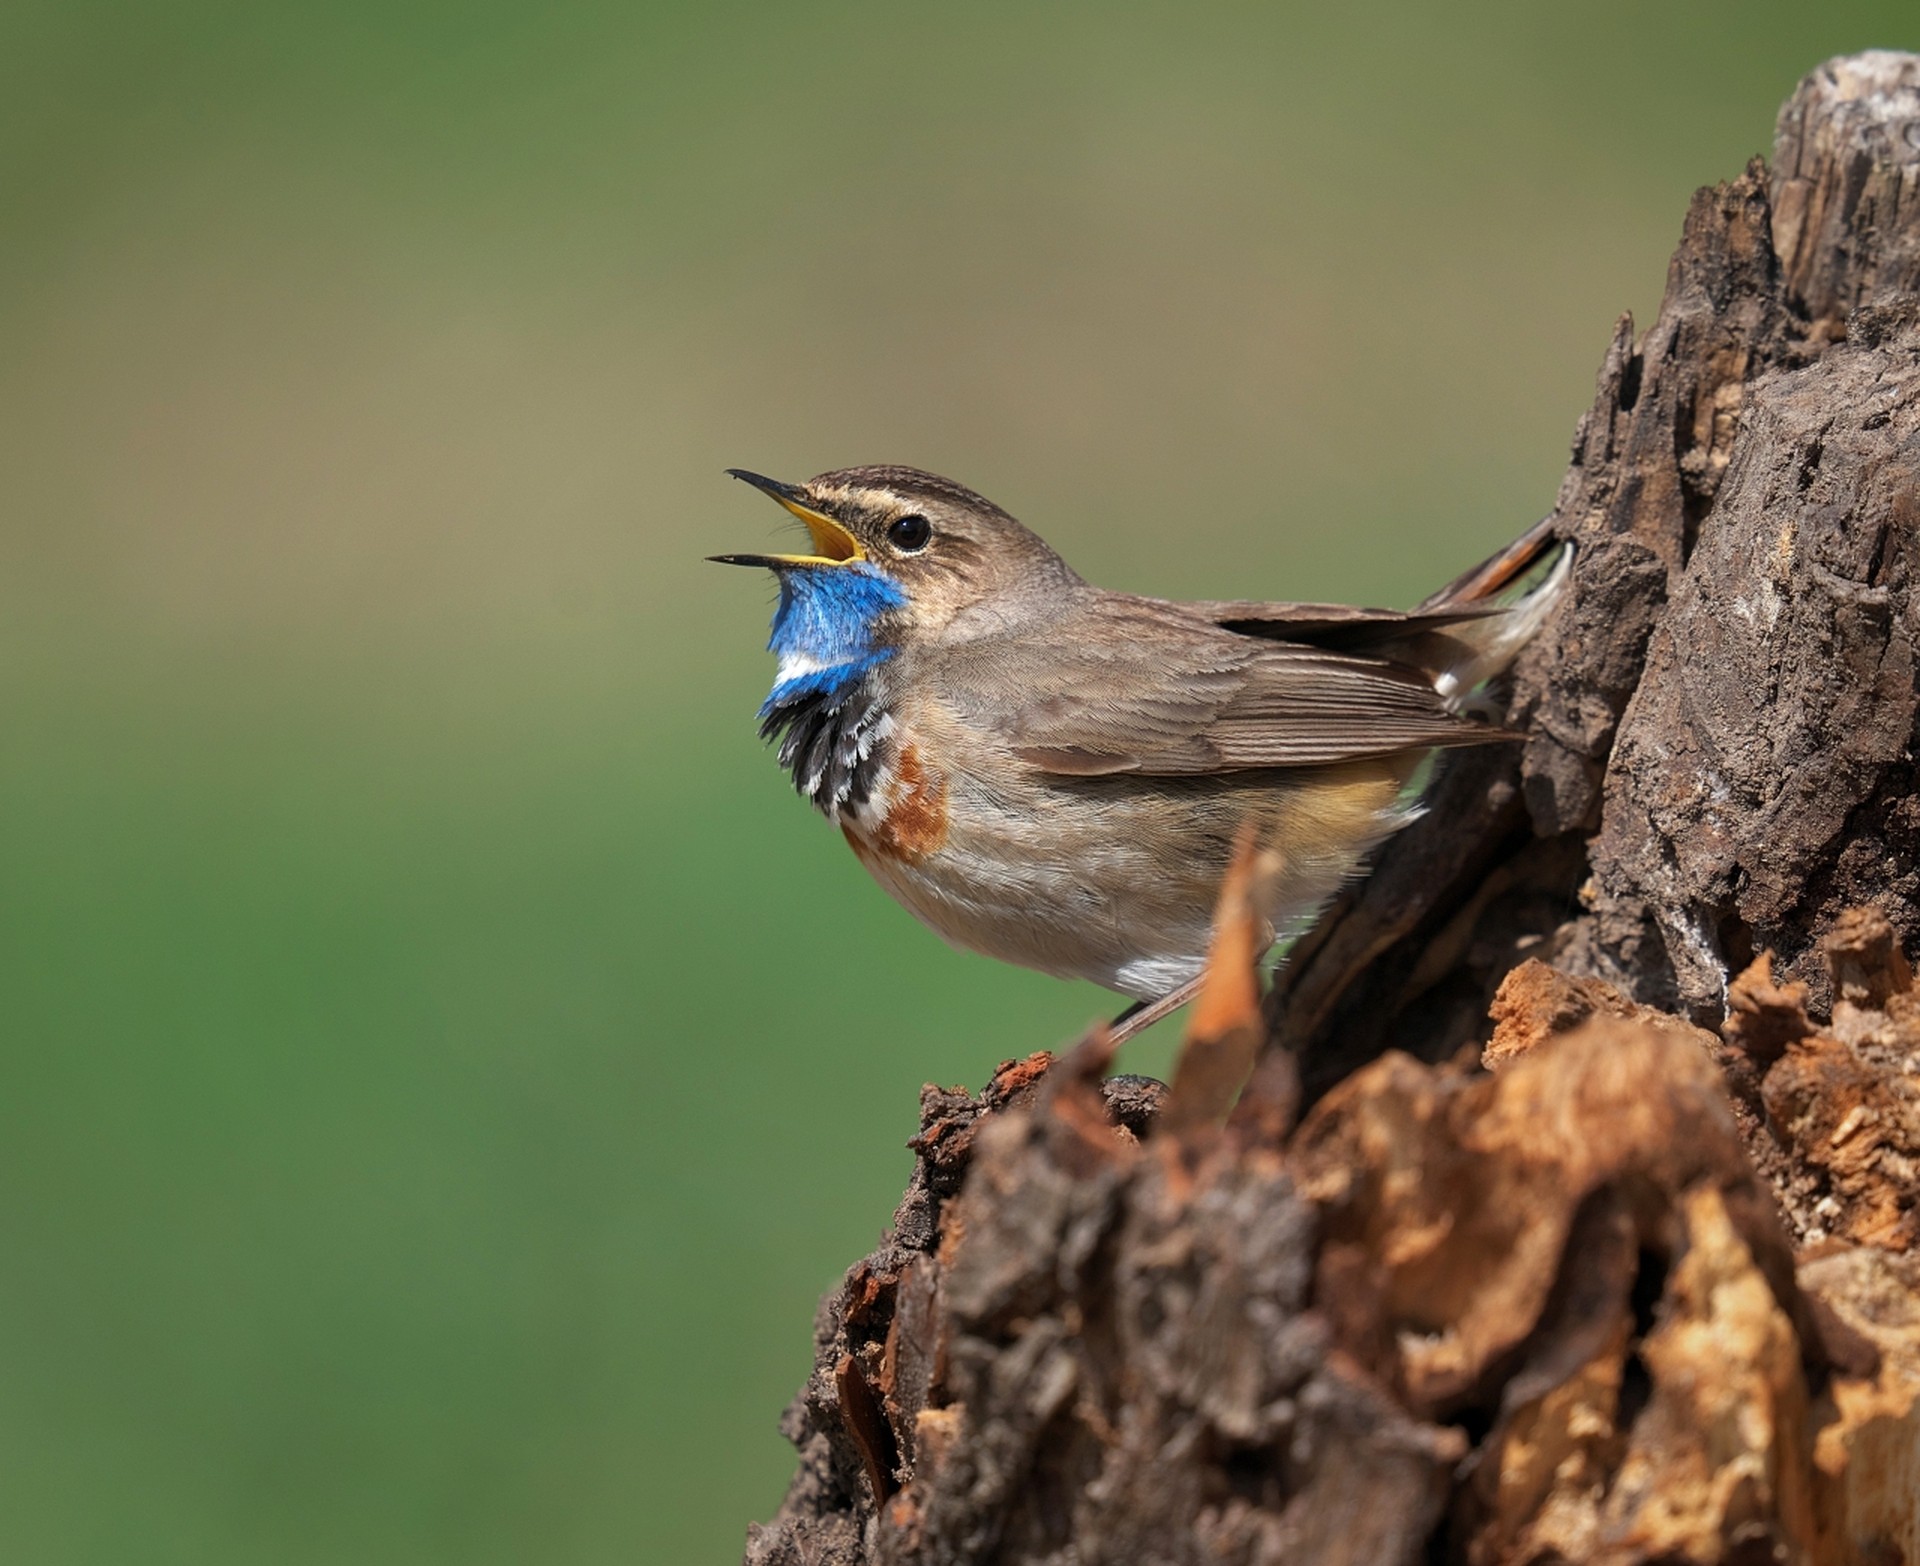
x,y
1133,685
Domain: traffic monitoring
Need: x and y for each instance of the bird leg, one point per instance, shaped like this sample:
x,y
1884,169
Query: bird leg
x,y
1141,1015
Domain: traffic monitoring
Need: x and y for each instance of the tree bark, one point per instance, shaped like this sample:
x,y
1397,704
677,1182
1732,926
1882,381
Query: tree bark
x,y
1742,496
1597,1240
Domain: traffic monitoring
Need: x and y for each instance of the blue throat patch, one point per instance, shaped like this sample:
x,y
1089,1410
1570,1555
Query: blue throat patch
x,y
826,618
829,724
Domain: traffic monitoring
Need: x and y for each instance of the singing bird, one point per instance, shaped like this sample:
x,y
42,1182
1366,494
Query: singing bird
x,y
1056,775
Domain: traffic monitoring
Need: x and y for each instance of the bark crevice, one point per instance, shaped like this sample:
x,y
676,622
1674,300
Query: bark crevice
x,y
1596,1240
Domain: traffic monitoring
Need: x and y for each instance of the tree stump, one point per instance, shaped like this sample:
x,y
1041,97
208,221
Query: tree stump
x,y
1597,1240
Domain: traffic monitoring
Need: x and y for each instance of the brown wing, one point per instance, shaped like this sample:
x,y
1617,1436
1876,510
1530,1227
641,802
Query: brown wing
x,y
1140,686
1341,626
1354,629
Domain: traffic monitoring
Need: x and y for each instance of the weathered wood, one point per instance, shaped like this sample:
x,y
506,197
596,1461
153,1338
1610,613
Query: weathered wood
x,y
1740,627
1609,1256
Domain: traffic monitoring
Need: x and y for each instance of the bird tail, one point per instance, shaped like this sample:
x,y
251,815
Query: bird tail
x,y
1500,569
1486,644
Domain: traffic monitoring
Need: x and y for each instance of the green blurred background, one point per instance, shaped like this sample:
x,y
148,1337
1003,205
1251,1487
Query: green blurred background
x,y
441,1063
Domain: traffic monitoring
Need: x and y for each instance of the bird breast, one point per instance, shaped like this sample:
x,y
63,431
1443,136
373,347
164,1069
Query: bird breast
x,y
1108,879
904,817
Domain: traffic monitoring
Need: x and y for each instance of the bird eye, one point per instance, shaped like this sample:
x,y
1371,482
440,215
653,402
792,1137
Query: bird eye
x,y
909,534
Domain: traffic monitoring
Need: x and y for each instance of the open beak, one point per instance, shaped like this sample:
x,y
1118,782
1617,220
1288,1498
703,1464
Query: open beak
x,y
832,543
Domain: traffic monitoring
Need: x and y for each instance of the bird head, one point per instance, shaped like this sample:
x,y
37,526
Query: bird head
x,y
898,556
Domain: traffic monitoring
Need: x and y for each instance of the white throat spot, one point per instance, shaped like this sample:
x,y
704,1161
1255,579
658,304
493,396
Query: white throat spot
x,y
795,666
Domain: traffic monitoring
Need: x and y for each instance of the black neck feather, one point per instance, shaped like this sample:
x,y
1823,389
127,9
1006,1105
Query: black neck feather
x,y
831,739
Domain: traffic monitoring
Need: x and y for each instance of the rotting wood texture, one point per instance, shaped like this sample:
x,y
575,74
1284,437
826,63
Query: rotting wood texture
x,y
1721,720
1597,1241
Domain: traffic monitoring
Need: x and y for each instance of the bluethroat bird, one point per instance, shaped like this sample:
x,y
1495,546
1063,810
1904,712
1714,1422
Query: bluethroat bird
x,y
1056,775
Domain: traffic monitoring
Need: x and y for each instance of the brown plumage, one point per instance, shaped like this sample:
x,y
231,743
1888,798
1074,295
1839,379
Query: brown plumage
x,y
1055,774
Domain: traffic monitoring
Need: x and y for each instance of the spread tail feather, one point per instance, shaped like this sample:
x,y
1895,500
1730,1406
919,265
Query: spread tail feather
x,y
1497,571
1488,645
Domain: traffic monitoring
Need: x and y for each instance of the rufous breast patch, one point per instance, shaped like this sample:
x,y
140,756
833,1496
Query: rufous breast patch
x,y
915,820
